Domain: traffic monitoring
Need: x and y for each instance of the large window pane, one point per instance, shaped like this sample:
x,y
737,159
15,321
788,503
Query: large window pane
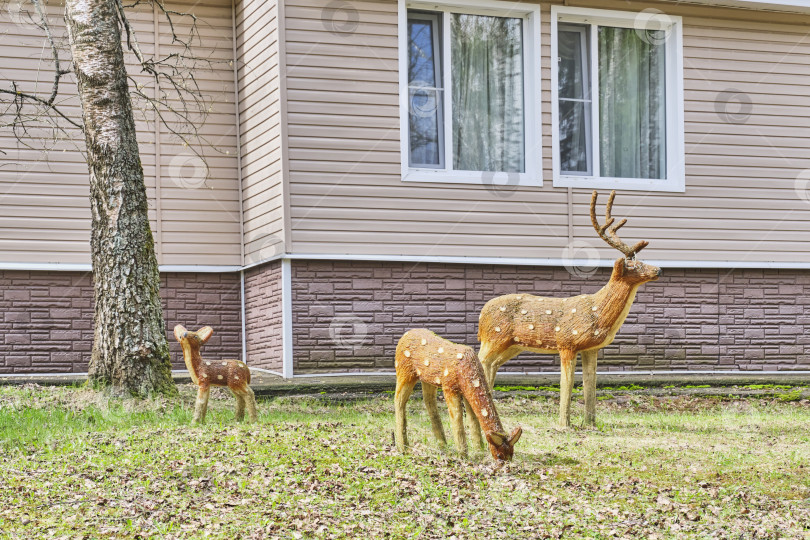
x,y
487,93
573,93
425,116
632,104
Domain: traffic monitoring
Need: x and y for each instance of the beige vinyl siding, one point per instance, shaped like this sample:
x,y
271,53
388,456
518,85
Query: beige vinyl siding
x,y
260,117
44,191
740,204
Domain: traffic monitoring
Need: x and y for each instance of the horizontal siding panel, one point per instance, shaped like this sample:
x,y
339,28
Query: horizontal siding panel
x,y
346,194
260,117
45,215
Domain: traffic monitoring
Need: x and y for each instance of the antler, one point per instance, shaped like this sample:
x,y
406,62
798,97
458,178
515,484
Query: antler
x,y
607,232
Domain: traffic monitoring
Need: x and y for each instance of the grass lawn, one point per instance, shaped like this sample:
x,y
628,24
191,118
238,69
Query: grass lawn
x,y
77,464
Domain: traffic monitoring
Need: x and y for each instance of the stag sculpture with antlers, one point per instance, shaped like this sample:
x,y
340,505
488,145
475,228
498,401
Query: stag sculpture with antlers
x,y
514,323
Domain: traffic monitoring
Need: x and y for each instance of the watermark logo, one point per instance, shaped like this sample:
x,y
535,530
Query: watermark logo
x,y
653,26
188,171
348,331
271,247
501,184
580,259
733,106
802,186
340,17
424,99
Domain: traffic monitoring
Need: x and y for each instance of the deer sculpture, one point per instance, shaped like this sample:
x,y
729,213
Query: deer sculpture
x,y
511,324
423,356
231,373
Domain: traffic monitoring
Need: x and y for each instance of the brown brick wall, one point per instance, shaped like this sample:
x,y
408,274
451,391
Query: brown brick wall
x,y
263,316
47,317
349,315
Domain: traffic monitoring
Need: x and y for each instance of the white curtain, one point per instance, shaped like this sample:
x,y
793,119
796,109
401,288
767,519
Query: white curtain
x,y
632,98
487,93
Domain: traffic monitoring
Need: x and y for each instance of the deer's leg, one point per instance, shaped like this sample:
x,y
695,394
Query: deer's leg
x,y
239,412
455,408
429,396
201,405
250,401
476,440
589,385
403,392
568,361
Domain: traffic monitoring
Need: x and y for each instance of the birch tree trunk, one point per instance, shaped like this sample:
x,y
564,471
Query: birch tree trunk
x,y
130,350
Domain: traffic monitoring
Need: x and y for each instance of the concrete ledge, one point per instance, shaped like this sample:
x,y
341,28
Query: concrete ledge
x,y
267,385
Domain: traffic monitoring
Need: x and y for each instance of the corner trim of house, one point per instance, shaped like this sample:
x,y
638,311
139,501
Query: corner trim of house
x,y
286,318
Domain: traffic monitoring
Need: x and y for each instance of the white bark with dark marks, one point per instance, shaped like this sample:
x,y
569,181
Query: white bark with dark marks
x,y
130,350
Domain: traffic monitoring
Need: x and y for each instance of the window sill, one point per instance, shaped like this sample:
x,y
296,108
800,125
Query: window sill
x,y
676,185
488,179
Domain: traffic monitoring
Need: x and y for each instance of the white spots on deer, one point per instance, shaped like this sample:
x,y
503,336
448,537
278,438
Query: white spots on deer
x,y
575,332
427,363
418,372
424,341
523,312
446,372
556,328
476,383
596,332
503,308
484,412
219,377
574,310
205,375
236,377
531,327
208,363
548,312
441,350
460,356
593,308
437,380
224,363
407,354
497,328
520,298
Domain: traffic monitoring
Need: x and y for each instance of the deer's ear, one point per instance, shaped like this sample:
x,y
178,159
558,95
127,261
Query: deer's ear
x,y
515,436
205,333
495,438
619,266
179,332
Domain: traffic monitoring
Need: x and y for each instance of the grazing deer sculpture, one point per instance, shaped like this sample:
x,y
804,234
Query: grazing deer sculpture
x,y
514,323
231,373
423,356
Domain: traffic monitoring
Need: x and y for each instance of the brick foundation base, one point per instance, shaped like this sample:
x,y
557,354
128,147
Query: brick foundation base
x,y
263,316
47,317
348,316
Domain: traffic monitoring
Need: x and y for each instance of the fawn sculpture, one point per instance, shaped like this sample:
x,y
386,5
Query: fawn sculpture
x,y
423,356
511,324
231,373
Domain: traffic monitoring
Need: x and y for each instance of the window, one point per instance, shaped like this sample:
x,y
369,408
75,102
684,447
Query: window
x,y
470,112
617,89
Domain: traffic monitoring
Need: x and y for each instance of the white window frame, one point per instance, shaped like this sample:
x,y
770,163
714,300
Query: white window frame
x,y
675,151
532,138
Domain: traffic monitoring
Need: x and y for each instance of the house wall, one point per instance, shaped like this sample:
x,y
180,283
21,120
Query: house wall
x,y
47,321
260,114
348,316
44,191
263,316
746,196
